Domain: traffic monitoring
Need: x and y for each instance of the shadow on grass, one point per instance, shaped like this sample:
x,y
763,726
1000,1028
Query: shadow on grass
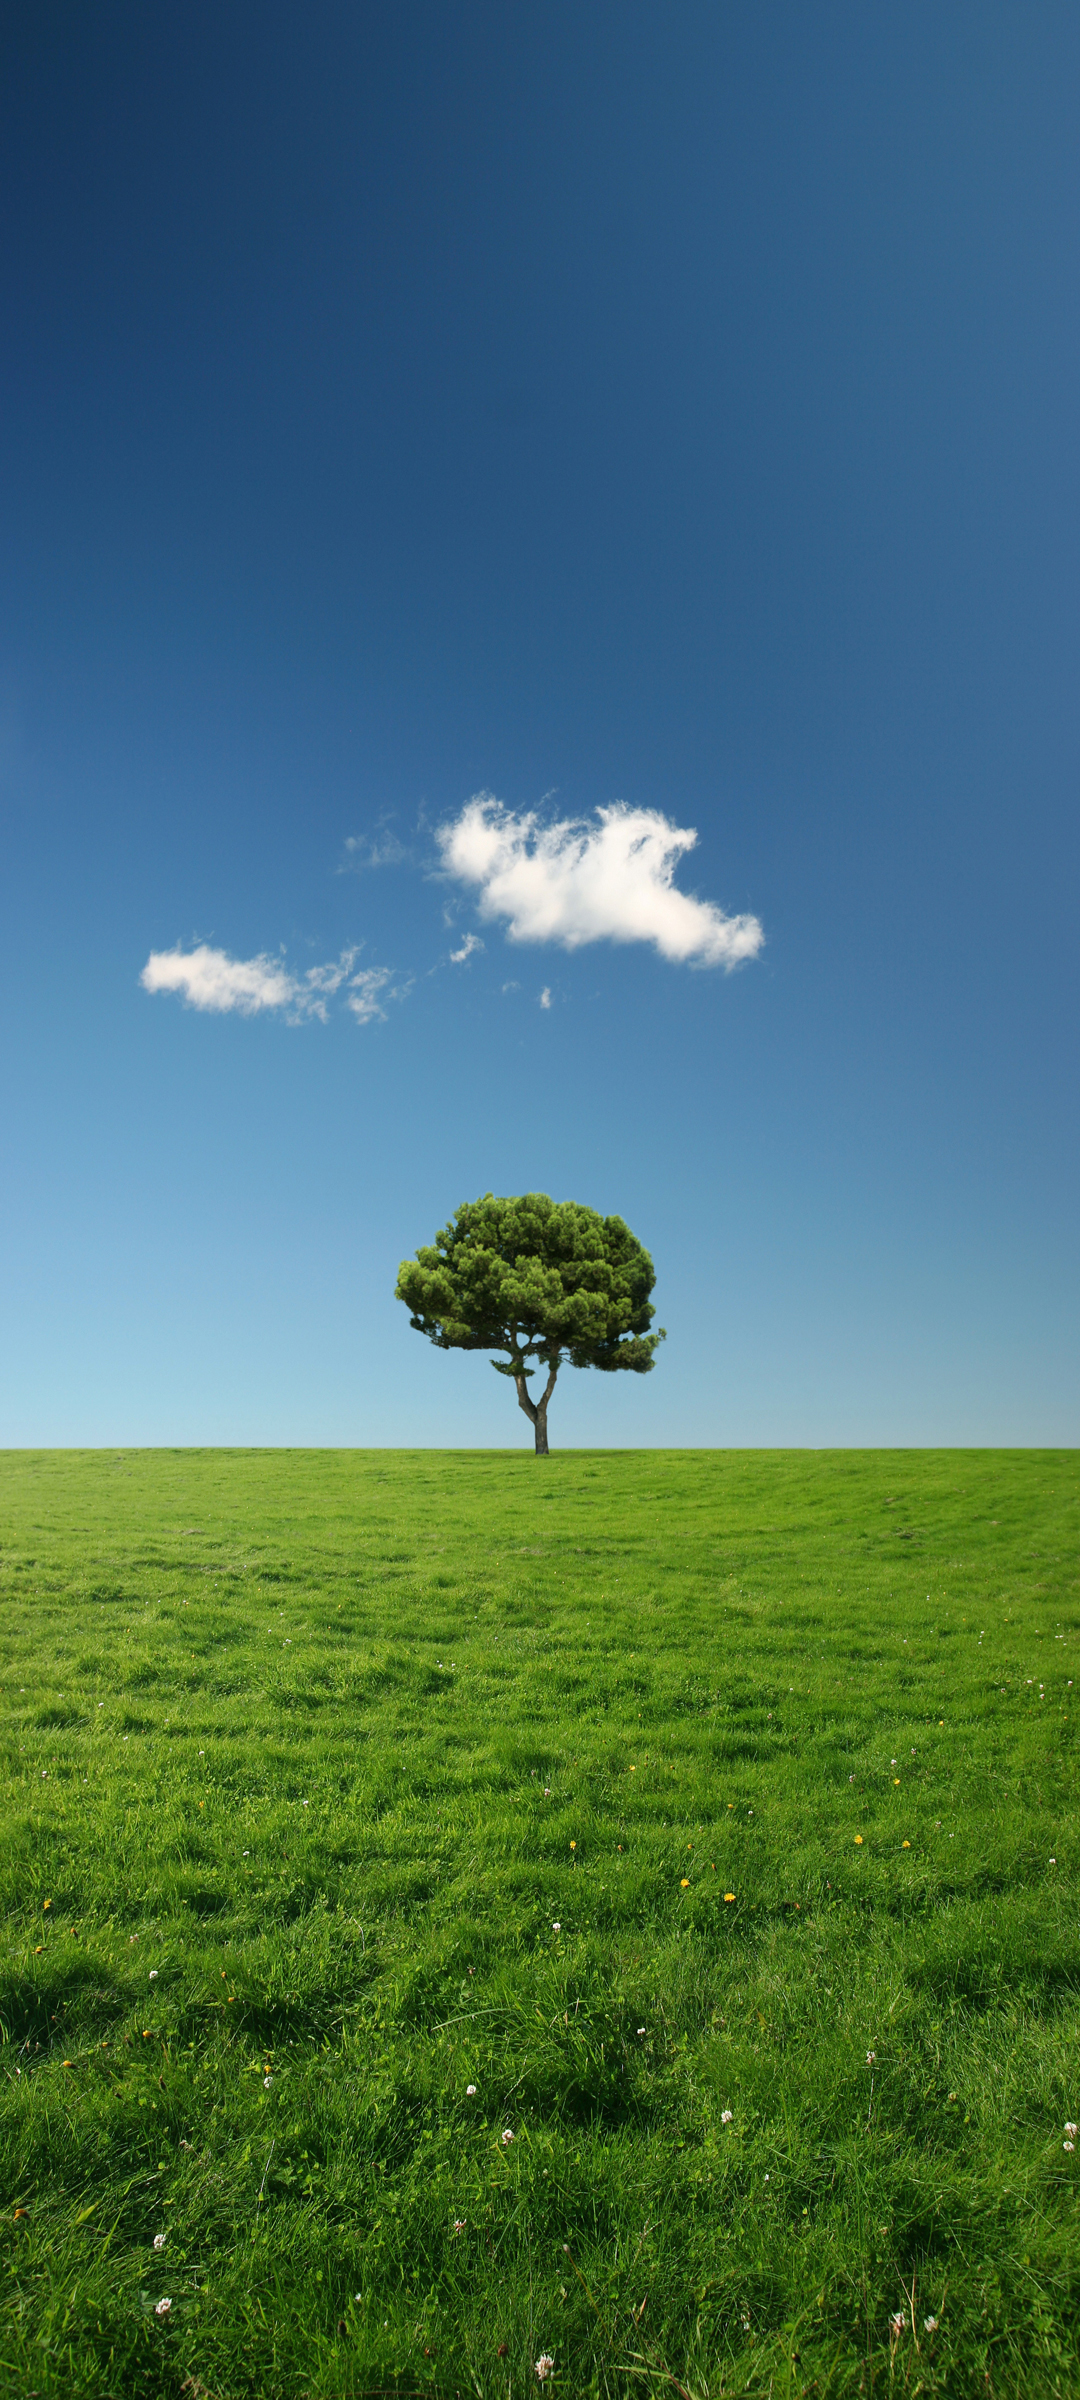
x,y
47,2004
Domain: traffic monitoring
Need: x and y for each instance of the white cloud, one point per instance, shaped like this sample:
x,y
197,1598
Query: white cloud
x,y
210,979
545,996
471,942
367,991
610,878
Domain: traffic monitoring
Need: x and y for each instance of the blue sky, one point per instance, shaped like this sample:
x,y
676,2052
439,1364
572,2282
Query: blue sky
x,y
672,409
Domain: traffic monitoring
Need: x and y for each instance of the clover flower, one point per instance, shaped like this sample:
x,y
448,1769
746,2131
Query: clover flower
x,y
871,2057
470,2091
1070,2127
507,2136
930,2324
556,1926
897,2322
545,2366
726,2115
159,2241
162,2308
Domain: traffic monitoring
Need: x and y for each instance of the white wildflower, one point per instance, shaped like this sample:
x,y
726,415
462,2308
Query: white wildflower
x,y
507,2136
930,2324
470,2091
726,2115
159,2241
545,2366
162,2308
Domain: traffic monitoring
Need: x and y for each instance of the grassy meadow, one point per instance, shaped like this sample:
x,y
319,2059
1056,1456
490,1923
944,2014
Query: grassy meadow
x,y
463,1913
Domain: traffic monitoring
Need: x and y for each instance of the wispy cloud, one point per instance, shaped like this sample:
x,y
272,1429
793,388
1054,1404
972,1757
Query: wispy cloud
x,y
379,849
545,996
369,989
607,878
209,979
471,942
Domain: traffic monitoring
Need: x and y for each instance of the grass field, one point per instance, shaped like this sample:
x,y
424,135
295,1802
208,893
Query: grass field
x,y
705,1822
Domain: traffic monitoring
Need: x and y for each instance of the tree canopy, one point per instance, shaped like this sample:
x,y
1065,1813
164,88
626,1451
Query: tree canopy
x,y
544,1280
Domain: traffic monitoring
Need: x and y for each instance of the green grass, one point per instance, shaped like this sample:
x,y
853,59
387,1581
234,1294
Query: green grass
x,y
384,1774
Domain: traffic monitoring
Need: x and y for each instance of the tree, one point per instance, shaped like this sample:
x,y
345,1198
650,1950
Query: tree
x,y
541,1279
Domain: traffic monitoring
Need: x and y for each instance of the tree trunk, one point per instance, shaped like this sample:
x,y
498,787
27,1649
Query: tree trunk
x,y
536,1410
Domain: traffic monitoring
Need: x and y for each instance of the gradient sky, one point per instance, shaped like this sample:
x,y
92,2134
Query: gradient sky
x,y
585,403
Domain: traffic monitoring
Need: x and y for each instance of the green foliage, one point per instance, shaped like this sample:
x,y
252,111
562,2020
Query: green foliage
x,y
383,1775
538,1278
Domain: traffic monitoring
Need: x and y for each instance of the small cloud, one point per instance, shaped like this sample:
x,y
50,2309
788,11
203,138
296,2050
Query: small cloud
x,y
608,878
367,991
471,942
511,987
379,849
545,996
209,979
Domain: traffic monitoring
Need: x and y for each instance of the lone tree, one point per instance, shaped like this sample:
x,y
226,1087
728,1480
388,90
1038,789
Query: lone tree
x,y
542,1279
